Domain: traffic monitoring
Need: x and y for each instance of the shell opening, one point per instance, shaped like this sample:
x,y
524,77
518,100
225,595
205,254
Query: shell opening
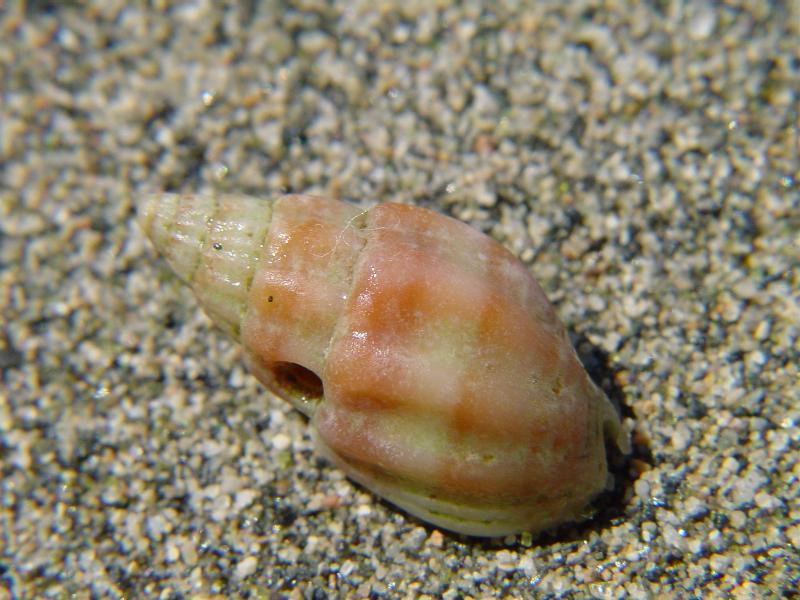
x,y
296,383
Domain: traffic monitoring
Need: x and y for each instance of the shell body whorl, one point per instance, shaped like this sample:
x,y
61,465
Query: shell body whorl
x,y
432,366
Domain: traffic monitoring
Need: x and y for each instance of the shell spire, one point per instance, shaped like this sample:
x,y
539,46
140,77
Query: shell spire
x,y
213,243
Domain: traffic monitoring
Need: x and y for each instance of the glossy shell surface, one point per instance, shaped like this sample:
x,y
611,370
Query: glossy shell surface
x,y
432,367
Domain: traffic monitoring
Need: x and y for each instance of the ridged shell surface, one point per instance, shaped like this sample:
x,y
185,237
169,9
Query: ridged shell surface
x,y
432,367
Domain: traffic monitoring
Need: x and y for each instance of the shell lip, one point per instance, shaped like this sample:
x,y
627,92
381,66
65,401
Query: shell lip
x,y
476,521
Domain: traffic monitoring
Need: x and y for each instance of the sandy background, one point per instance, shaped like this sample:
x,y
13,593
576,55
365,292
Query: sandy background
x,y
641,159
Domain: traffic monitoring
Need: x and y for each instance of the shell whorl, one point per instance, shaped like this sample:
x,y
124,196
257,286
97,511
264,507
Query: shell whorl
x,y
213,243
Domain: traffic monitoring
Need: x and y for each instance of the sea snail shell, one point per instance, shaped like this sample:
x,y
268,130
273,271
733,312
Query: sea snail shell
x,y
432,367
